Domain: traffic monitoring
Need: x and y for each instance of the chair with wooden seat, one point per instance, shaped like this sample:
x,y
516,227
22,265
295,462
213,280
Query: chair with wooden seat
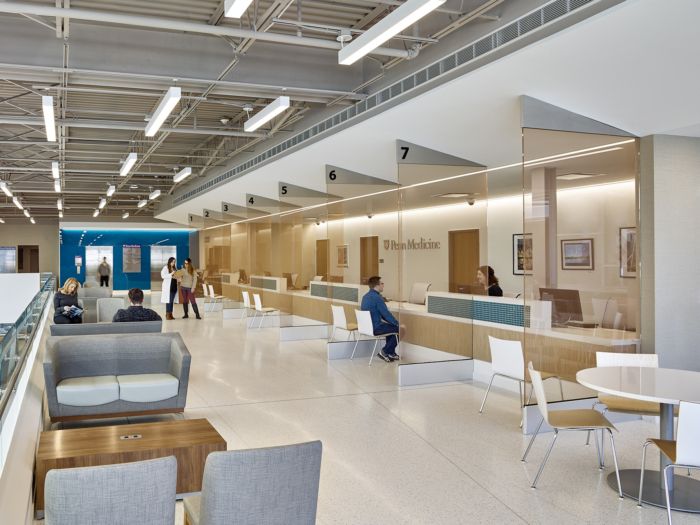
x,y
340,322
507,360
264,312
581,419
246,304
366,328
213,297
683,453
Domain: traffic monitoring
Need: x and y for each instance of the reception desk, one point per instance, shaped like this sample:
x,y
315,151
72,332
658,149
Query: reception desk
x,y
461,323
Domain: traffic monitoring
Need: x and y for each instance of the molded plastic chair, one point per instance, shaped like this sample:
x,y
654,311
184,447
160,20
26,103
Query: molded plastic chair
x,y
684,452
366,328
215,298
418,293
582,419
275,486
317,278
259,309
339,321
507,360
140,492
107,307
247,305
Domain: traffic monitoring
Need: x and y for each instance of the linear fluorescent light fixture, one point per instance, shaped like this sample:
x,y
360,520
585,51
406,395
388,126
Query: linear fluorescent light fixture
x,y
128,164
167,104
59,204
54,170
182,175
5,189
60,215
236,8
95,213
125,215
270,111
49,118
57,186
102,204
17,203
2,221
111,189
154,195
26,213
31,219
407,14
142,203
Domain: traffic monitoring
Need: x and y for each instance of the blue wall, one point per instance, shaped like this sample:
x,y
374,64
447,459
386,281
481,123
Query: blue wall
x,y
71,246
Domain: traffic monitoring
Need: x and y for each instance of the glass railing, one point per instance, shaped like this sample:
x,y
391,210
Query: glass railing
x,y
16,339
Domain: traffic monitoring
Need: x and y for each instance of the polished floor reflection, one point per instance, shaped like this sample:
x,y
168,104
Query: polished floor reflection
x,y
398,455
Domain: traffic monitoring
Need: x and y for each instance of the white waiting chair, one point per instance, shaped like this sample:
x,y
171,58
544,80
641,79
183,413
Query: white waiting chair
x,y
581,419
339,321
366,328
683,452
213,297
317,278
208,303
246,304
260,310
418,293
507,360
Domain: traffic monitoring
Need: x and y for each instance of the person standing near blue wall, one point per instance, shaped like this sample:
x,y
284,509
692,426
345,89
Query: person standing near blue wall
x,y
188,284
168,294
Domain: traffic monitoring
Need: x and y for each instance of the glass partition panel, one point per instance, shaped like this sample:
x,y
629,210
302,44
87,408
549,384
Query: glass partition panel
x,y
578,253
217,255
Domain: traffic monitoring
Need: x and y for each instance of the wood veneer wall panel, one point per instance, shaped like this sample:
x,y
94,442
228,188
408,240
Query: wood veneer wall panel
x,y
439,334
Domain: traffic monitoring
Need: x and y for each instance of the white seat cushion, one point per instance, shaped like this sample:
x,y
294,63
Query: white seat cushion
x,y
145,388
88,391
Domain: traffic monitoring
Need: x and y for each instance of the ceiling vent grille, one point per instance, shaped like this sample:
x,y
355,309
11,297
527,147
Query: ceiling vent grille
x,y
524,25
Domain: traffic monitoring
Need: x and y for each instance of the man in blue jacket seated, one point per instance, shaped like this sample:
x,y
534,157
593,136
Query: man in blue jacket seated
x,y
382,320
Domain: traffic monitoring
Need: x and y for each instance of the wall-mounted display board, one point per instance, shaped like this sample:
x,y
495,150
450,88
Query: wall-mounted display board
x,y
131,256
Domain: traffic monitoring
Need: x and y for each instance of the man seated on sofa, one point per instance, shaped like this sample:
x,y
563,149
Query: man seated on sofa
x,y
136,312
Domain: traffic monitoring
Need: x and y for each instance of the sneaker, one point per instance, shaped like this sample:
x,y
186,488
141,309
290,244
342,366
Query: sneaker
x,y
381,355
394,357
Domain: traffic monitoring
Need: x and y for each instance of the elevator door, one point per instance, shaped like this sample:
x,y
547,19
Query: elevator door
x,y
159,258
93,258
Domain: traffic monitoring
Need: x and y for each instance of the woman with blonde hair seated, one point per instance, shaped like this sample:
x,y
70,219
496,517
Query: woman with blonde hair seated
x,y
65,302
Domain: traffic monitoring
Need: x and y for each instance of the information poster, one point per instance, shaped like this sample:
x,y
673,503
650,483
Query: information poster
x,y
131,257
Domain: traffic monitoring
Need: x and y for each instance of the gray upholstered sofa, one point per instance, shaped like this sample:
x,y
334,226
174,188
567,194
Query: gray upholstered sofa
x,y
89,297
98,376
141,327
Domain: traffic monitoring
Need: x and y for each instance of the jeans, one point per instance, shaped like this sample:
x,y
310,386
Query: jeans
x,y
391,340
104,280
64,319
187,295
169,305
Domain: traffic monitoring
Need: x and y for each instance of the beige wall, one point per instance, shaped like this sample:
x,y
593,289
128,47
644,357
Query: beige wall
x,y
43,235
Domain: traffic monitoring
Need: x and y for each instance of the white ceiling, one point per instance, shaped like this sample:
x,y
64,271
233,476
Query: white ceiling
x,y
634,67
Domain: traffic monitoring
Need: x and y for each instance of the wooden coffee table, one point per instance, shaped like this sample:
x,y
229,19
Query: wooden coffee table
x,y
189,440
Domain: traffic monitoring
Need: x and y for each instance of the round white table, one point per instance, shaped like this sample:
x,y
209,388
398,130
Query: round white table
x,y
668,388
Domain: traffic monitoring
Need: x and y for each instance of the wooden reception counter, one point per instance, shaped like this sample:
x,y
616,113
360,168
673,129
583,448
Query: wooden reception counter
x,y
461,323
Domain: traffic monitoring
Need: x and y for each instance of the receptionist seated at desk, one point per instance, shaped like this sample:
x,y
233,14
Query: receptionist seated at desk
x,y
487,279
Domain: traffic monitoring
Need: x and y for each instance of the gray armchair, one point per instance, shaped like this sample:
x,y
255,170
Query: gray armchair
x,y
140,327
99,376
107,307
276,485
89,298
140,492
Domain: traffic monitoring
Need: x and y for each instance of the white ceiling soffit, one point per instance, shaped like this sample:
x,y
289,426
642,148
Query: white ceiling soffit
x,y
614,68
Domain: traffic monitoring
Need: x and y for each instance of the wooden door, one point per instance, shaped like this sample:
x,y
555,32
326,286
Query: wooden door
x,y
322,255
464,259
369,258
28,259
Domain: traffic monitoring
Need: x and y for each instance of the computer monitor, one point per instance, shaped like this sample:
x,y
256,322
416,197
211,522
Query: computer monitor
x,y
566,304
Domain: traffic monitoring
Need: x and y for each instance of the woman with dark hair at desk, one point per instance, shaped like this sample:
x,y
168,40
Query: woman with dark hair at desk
x,y
491,285
63,302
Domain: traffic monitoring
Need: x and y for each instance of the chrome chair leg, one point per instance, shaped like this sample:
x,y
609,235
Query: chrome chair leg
x,y
641,474
602,449
522,399
561,389
546,457
617,469
532,440
330,340
487,393
668,498
374,349
352,356
597,449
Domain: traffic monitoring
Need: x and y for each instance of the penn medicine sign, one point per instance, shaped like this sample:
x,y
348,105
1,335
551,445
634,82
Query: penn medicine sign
x,y
412,244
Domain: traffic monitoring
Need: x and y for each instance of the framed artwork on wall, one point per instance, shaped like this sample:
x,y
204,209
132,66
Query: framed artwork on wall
x,y
342,255
522,254
577,254
628,252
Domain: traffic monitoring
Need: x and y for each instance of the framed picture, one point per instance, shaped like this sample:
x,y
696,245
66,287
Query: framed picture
x,y
628,252
577,254
522,254
342,255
